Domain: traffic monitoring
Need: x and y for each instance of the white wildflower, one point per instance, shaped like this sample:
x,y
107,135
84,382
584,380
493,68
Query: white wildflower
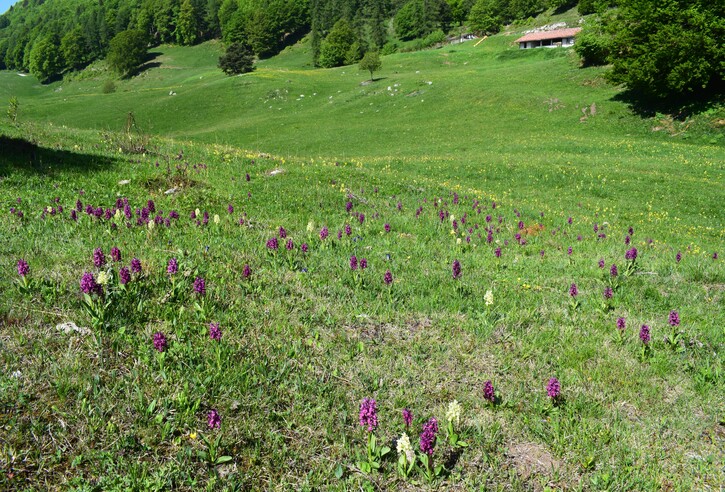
x,y
404,447
454,412
310,226
458,240
151,225
216,218
102,278
488,297
117,215
197,212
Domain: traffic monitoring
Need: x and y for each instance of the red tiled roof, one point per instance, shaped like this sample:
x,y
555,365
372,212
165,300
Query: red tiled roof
x,y
540,36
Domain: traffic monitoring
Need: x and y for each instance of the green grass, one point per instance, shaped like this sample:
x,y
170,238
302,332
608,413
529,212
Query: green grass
x,y
305,339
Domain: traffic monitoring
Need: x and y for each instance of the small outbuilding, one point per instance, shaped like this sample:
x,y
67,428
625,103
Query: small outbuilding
x,y
549,39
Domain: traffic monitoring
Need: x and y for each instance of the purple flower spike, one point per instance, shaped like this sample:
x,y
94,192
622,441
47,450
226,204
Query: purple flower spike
x,y
99,259
569,251
324,233
353,262
631,254
674,318
173,267
621,324
348,206
160,342
304,247
361,218
498,252
213,419
456,269
290,245
23,267
247,271
369,414
387,227
644,334
89,284
124,275
116,254
608,293
215,333
348,229
407,417
363,263
428,436
678,257
272,244
200,286
136,265
282,232
388,278
573,290
613,271
553,388
488,391
230,209
714,255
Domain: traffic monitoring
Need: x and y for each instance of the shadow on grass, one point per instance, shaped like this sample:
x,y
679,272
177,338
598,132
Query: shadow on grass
x,y
680,108
148,64
19,154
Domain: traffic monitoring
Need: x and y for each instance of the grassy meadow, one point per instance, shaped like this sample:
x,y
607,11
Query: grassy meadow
x,y
242,364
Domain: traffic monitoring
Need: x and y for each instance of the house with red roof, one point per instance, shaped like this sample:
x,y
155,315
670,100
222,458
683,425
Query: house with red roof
x,y
549,39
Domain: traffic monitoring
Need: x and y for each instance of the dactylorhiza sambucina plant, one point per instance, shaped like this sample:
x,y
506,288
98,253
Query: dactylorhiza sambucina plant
x,y
406,455
631,257
212,455
453,416
645,336
24,285
369,421
427,447
675,337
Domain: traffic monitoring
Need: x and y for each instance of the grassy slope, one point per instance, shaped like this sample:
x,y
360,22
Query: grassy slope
x,y
300,351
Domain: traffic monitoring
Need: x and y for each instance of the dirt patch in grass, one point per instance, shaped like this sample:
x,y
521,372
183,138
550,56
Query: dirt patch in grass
x,y
531,459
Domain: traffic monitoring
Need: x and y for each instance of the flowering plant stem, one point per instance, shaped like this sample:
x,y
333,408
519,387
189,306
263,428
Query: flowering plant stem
x,y
453,438
429,471
375,454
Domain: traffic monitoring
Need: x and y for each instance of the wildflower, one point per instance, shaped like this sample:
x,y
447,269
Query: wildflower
x,y
569,251
361,218
200,286
627,240
348,206
89,285
404,447
369,414
488,391
456,269
644,334
151,206
579,237
714,255
324,233
73,215
387,227
388,278
541,253
454,412
213,419
488,297
230,209
497,252
197,213
613,270
247,271
348,229
23,267
621,324
193,214
678,257
569,220
290,245
608,292
363,263
631,254
573,291
596,227
216,218
215,332
428,436
248,177
173,267
124,276
99,259
553,388
102,278
631,231
136,265
151,225
282,232
674,318
205,221
353,262
521,224
116,254
160,342
304,247
407,417
272,244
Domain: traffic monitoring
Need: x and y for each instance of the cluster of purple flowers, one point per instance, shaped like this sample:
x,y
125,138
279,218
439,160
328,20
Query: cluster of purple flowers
x,y
488,391
124,275
369,414
246,271
324,232
407,417
215,333
573,290
631,254
428,436
136,265
116,254
644,334
173,267
456,269
388,278
99,259
608,293
213,419
160,342
613,270
553,388
23,267
272,244
89,284
621,324
200,286
674,318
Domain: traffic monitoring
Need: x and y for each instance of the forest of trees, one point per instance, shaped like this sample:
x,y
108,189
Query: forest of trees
x,y
682,39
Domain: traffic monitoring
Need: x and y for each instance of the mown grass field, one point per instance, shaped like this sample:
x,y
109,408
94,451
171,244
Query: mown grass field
x,y
305,338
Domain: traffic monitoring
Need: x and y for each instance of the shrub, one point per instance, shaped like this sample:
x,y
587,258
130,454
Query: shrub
x,y
108,87
238,58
